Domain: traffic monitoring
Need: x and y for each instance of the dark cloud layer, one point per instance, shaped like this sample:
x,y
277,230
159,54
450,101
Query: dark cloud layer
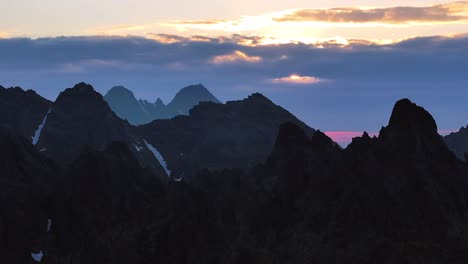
x,y
359,77
450,12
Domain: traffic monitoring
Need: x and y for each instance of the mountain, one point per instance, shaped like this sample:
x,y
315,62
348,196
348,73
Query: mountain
x,y
398,198
137,112
238,134
80,117
22,111
401,197
27,180
189,97
103,204
458,142
123,102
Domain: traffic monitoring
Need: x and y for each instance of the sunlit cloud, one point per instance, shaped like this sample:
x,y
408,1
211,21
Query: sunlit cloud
x,y
236,56
297,79
167,38
312,26
444,13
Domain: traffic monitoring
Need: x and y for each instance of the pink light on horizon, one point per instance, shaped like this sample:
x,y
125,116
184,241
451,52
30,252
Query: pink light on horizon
x,y
345,137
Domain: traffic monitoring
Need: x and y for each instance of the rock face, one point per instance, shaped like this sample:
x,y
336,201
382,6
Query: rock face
x,y
22,111
123,103
238,134
80,117
458,142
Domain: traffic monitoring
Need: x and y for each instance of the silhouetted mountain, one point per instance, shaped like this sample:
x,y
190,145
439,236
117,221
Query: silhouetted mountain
x,y
81,117
26,182
102,206
401,197
123,103
22,111
458,143
238,134
398,198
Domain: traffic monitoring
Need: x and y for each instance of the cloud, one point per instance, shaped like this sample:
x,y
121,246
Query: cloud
x,y
167,38
450,12
236,56
297,79
429,70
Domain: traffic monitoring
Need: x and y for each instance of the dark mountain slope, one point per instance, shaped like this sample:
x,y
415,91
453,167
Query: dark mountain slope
x,y
238,134
398,198
80,117
103,205
27,181
22,111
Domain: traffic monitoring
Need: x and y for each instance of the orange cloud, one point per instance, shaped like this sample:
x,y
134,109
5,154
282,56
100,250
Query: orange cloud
x,y
167,38
450,12
236,56
297,79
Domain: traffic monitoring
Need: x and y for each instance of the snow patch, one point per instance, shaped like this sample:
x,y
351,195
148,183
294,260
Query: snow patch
x,y
49,224
38,132
159,157
37,256
137,147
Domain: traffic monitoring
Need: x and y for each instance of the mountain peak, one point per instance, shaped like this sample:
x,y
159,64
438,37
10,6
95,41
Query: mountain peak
x,y
119,90
159,102
258,97
193,94
408,115
412,129
82,88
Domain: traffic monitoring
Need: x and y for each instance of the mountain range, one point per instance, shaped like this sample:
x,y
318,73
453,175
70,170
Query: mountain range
x,y
123,102
237,134
249,183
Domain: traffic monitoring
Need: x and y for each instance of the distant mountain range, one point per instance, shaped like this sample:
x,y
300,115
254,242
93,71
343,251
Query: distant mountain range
x,y
123,102
91,196
237,134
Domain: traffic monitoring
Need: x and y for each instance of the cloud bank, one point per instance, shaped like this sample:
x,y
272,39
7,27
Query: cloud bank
x,y
450,12
363,76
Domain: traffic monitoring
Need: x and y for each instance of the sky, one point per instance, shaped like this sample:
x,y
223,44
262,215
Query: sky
x,y
338,65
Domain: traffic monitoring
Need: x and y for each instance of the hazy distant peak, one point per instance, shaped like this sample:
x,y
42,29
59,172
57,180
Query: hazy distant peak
x,y
120,90
159,102
196,92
